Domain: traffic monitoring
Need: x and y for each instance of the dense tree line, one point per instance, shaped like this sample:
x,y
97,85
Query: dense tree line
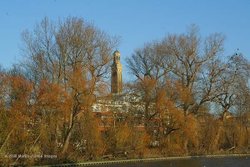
x,y
200,97
193,99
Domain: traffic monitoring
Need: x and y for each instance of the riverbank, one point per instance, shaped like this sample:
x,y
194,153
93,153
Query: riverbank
x,y
128,161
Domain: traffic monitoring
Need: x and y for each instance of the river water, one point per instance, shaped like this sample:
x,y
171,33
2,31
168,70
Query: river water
x,y
243,161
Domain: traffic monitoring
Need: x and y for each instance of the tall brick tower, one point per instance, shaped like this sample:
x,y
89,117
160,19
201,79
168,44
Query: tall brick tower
x,y
116,77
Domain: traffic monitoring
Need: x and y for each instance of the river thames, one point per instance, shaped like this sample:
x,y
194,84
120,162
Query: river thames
x,y
230,161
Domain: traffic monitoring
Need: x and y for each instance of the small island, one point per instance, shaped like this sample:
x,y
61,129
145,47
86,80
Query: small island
x,y
78,97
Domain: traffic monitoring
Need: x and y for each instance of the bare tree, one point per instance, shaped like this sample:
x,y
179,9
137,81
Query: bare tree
x,y
73,54
190,58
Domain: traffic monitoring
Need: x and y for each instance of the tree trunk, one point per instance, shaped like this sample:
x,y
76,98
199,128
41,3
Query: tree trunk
x,y
214,145
68,136
66,142
5,141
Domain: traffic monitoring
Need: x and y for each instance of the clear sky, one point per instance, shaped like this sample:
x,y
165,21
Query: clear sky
x,y
135,21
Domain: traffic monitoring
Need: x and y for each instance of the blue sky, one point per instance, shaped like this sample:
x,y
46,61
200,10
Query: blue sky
x,y
135,21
